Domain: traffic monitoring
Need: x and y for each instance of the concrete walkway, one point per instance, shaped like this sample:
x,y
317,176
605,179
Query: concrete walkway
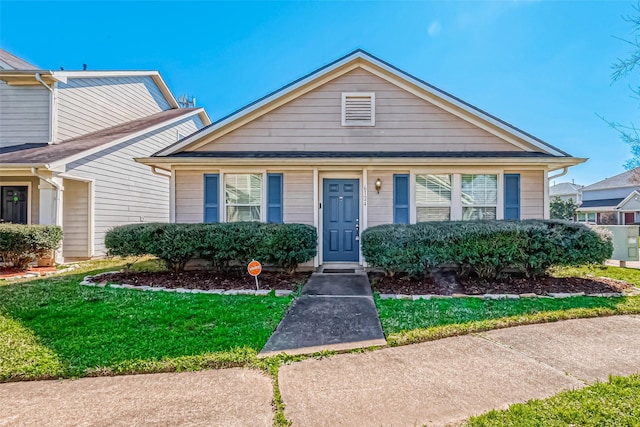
x,y
333,312
229,397
446,381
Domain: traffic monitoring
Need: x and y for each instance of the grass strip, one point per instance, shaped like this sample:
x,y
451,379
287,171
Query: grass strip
x,y
410,322
612,403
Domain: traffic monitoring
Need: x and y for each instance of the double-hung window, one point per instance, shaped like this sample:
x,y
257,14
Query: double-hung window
x,y
243,197
479,196
433,197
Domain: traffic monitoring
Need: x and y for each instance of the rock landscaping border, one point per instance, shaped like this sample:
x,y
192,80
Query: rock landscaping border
x,y
260,292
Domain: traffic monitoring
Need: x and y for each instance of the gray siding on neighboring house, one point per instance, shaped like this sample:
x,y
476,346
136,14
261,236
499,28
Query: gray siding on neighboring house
x,y
403,122
24,115
125,191
89,104
611,193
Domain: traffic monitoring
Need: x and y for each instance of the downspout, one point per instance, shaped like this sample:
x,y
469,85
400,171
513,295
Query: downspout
x,y
564,172
52,105
154,171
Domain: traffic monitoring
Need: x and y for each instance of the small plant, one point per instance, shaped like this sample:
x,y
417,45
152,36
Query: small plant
x,y
21,244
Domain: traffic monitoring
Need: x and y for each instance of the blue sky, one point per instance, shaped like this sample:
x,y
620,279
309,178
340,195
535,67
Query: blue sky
x,y
543,66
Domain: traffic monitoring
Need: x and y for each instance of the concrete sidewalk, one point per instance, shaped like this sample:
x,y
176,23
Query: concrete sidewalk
x,y
449,380
228,397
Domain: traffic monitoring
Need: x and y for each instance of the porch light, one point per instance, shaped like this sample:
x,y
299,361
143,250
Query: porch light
x,y
378,185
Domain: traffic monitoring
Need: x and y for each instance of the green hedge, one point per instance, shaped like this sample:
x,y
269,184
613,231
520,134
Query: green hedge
x,y
20,244
225,245
484,248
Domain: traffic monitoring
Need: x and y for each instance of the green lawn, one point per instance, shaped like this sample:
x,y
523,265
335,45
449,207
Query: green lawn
x,y
54,327
630,275
614,403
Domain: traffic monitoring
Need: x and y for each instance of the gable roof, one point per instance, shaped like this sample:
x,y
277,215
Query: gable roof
x,y
31,155
383,69
625,179
12,62
564,188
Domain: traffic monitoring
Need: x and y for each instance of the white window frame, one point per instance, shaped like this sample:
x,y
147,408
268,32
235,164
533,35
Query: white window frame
x,y
371,95
431,205
223,199
498,194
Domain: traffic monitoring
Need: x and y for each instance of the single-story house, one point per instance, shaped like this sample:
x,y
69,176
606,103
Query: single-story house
x,y
67,143
612,201
354,144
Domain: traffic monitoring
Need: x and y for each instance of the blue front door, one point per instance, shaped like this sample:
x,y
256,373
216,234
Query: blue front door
x,y
340,220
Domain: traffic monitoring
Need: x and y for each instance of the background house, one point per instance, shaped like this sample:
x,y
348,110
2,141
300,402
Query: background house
x,y
612,201
355,144
565,191
67,143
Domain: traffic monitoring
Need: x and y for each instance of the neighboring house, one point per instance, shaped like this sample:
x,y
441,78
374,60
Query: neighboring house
x,y
565,191
612,201
355,144
67,143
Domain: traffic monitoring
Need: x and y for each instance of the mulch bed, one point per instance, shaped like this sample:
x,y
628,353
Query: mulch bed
x,y
206,280
7,273
512,285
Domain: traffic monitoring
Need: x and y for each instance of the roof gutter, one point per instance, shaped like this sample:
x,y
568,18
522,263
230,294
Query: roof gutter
x,y
49,181
154,170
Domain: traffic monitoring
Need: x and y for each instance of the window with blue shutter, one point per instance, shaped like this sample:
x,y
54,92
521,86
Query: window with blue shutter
x,y
512,196
274,198
401,199
212,198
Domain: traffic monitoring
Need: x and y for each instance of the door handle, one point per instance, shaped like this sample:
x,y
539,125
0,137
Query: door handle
x,y
357,231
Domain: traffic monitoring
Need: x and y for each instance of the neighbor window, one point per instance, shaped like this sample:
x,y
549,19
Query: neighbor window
x,y
243,197
479,196
433,198
586,217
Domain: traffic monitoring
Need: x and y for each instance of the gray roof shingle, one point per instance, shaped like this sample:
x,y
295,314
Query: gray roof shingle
x,y
44,153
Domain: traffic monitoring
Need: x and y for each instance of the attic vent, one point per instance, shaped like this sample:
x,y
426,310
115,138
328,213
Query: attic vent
x,y
358,109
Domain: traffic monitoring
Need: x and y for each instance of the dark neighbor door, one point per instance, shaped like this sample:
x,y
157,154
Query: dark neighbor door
x,y
629,218
14,205
340,220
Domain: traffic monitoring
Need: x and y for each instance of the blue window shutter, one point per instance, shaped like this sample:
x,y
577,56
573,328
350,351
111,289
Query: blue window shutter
x,y
512,196
212,198
274,198
401,199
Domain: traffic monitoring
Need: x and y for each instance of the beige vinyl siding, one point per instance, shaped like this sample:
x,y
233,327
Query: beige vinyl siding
x,y
380,206
89,104
403,122
75,221
298,197
125,191
189,196
34,195
24,115
531,194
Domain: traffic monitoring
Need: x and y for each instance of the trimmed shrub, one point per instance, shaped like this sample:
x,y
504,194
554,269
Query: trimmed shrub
x,y
20,244
288,245
484,248
224,245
